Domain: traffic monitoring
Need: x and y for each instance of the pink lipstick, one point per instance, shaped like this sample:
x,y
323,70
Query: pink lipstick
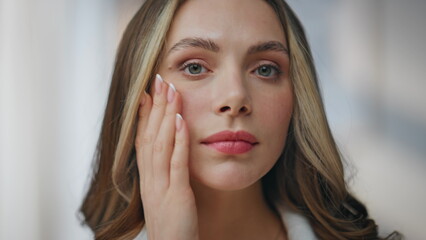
x,y
231,142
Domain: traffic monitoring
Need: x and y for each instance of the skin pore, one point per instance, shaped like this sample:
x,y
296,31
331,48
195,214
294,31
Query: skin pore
x,y
229,62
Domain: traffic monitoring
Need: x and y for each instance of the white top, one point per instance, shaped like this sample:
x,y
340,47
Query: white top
x,y
298,227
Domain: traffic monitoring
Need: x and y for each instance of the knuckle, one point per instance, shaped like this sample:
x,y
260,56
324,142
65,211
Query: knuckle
x,y
176,164
137,142
169,113
158,104
144,140
141,113
158,146
181,142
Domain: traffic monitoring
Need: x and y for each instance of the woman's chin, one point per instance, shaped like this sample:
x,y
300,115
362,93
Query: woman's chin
x,y
225,177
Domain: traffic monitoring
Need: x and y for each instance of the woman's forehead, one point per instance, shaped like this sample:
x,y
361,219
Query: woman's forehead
x,y
226,22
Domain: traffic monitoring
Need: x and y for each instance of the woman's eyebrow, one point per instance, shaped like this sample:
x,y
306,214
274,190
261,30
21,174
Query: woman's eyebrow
x,y
196,43
268,46
212,46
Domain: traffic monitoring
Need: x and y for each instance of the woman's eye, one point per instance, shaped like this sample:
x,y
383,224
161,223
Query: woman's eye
x,y
194,68
267,71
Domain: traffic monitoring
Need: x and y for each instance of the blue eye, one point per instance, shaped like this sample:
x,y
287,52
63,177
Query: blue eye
x,y
267,71
194,68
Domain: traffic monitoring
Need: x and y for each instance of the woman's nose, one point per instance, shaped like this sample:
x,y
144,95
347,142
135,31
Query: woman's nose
x,y
232,96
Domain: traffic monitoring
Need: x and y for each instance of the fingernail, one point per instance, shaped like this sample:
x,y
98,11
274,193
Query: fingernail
x,y
158,83
171,93
179,120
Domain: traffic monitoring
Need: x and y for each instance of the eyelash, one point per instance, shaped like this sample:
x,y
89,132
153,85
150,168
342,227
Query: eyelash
x,y
188,64
274,68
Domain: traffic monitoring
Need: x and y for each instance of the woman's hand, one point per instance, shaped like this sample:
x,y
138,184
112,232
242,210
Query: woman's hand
x,y
162,146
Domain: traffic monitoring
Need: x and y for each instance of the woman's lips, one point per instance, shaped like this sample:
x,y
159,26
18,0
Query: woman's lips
x,y
231,142
231,147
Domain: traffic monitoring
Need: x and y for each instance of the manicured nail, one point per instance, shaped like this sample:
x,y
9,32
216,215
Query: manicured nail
x,y
171,93
179,120
158,83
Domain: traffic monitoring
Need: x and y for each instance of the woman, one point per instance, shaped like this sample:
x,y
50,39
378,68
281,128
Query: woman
x,y
228,141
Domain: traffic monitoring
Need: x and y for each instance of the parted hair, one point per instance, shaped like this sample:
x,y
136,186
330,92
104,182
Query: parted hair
x,y
308,177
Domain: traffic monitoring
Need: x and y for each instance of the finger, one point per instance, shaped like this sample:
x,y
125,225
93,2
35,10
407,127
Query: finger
x,y
158,106
153,125
144,112
179,168
165,139
140,141
163,144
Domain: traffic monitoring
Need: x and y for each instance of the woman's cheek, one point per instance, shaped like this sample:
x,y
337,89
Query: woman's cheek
x,y
275,109
194,105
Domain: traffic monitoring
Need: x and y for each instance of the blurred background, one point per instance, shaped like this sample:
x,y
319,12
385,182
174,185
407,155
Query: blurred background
x,y
56,60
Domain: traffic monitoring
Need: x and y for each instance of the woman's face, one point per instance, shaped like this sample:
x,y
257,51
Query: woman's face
x,y
229,61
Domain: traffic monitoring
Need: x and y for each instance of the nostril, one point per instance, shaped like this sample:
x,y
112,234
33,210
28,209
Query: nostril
x,y
243,109
224,109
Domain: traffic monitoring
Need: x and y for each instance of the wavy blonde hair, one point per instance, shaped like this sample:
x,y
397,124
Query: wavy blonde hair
x,y
308,176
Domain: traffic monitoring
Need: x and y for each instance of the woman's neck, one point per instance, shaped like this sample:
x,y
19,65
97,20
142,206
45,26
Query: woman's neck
x,y
242,214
